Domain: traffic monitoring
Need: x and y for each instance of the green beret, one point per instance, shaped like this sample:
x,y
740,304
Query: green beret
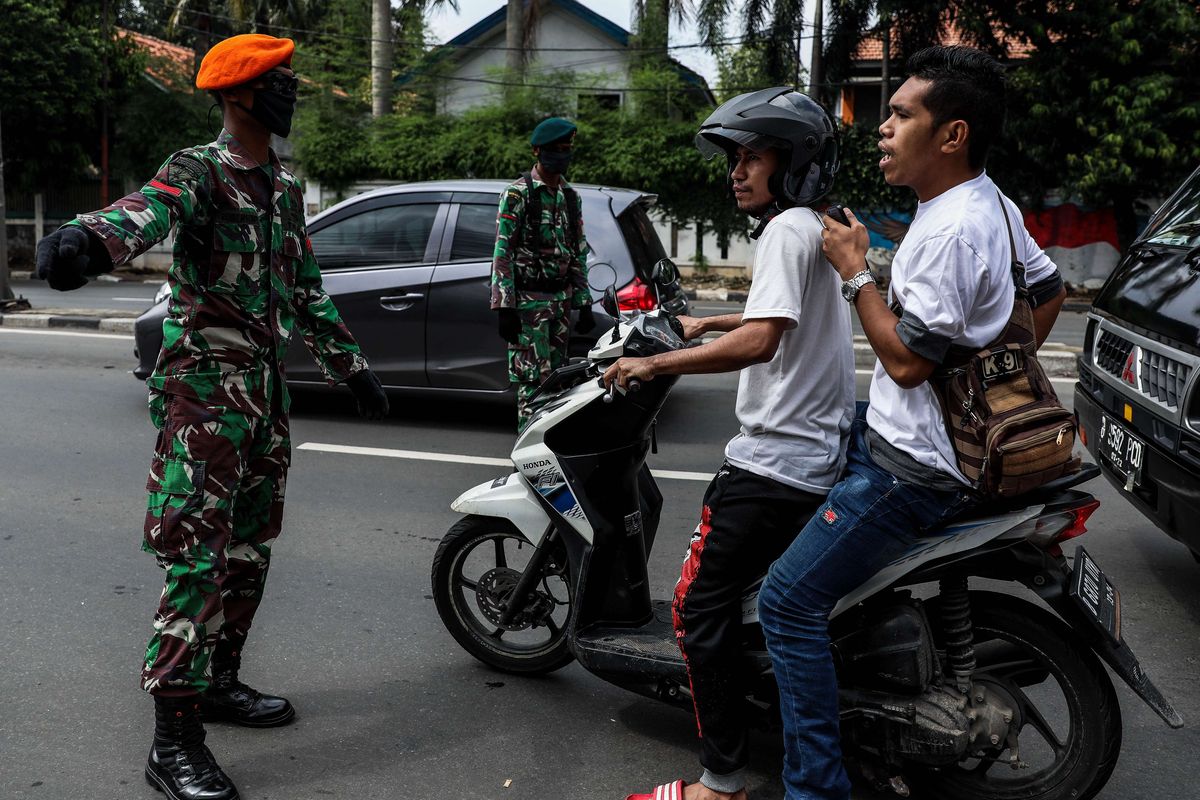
x,y
551,130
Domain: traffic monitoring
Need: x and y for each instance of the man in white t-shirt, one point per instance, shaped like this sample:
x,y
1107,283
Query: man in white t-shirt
x,y
795,402
951,277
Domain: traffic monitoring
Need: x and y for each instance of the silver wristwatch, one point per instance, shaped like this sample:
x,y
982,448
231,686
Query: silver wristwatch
x,y
857,281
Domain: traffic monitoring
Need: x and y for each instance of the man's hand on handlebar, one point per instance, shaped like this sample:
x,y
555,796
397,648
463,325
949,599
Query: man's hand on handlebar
x,y
626,369
693,327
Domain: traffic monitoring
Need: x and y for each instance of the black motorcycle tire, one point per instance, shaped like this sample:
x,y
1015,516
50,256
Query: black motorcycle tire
x,y
1094,740
462,538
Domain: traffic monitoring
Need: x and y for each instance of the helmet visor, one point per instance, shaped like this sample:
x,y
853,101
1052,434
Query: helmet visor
x,y
722,141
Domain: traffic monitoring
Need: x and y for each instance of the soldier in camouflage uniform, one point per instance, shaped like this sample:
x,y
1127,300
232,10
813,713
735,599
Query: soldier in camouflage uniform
x,y
539,268
243,277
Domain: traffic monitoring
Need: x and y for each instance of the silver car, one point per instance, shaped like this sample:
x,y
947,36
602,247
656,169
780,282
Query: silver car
x,y
409,269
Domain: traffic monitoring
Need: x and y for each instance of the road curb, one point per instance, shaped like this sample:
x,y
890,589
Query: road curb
x,y
1057,363
68,321
719,295
738,296
27,275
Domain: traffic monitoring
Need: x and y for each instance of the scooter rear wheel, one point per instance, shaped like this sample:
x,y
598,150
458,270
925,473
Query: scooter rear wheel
x,y
475,569
1067,713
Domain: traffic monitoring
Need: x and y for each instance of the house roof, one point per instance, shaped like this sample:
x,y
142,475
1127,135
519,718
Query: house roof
x,y
871,47
499,18
168,66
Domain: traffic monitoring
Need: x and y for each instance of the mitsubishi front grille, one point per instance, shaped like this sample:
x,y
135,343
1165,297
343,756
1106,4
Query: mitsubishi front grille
x,y
1112,352
1155,371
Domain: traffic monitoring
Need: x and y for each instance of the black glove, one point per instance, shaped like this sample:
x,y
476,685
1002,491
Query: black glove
x,y
510,325
586,321
369,394
68,256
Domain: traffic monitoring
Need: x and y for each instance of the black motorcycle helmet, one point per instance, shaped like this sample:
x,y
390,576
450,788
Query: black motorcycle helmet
x,y
787,120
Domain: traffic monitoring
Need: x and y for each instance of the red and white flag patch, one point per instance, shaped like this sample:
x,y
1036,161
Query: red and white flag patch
x,y
829,515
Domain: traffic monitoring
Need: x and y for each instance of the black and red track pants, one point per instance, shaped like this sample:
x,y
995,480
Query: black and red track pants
x,y
747,522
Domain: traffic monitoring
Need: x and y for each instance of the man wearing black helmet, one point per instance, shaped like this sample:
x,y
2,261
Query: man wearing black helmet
x,y
794,404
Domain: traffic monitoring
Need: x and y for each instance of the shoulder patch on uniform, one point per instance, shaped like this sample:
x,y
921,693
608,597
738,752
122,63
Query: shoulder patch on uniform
x,y
185,167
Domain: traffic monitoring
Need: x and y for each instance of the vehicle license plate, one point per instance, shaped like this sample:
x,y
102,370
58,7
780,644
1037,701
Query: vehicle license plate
x,y
1121,449
1093,593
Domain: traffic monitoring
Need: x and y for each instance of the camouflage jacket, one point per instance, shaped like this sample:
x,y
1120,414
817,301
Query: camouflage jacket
x,y
516,262
243,275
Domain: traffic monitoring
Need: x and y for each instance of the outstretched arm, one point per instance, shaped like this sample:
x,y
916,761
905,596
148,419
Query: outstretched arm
x,y
754,342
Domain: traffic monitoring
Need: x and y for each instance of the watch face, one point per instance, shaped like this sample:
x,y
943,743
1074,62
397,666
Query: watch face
x,y
849,290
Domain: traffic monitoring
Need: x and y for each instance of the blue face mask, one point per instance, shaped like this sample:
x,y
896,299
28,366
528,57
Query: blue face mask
x,y
554,162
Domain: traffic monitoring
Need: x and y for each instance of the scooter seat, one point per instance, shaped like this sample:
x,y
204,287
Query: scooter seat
x,y
1045,494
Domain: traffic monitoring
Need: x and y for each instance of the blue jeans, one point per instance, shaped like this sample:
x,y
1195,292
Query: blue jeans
x,y
869,518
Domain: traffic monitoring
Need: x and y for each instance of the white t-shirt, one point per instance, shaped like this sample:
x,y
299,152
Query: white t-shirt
x,y
795,410
952,273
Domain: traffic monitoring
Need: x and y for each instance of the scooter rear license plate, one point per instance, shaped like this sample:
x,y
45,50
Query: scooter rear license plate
x,y
1095,594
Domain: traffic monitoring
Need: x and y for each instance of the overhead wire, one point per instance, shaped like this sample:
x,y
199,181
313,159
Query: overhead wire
x,y
636,48
437,76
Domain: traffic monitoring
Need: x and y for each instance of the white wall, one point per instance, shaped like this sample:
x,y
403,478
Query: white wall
x,y
557,29
740,253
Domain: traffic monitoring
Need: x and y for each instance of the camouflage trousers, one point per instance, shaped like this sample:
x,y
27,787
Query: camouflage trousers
x,y
215,506
541,349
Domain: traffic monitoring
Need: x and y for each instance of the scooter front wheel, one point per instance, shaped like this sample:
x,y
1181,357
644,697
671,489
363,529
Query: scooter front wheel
x,y
475,569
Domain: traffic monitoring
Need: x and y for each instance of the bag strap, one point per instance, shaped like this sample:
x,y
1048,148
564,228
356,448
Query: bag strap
x,y
1017,267
573,221
532,232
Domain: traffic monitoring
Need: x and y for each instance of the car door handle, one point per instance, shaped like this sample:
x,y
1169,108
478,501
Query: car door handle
x,y
400,302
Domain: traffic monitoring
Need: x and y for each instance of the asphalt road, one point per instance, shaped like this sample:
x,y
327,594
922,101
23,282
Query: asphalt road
x,y
389,706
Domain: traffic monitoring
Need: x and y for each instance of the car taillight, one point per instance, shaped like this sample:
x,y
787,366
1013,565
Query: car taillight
x,y
636,296
1050,530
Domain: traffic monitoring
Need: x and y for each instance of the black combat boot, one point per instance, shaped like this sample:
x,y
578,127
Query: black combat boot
x,y
180,766
230,700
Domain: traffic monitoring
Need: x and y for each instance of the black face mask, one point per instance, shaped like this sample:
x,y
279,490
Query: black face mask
x,y
554,162
274,110
275,103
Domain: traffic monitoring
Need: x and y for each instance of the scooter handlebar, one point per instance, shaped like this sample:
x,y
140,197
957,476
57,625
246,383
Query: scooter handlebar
x,y
634,386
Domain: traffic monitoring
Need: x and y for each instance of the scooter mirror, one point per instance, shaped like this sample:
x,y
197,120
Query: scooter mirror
x,y
664,272
609,302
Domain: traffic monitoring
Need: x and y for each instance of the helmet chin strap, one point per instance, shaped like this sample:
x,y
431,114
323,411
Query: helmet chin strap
x,y
765,216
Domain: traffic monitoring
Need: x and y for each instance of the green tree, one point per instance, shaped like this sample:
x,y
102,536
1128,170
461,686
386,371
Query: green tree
x,y
1107,107
741,69
771,28
859,183
51,56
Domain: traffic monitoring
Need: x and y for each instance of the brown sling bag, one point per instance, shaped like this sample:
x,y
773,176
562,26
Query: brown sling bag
x,y
1009,431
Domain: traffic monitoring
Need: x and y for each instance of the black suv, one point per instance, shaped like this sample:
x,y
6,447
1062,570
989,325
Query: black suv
x,y
1137,398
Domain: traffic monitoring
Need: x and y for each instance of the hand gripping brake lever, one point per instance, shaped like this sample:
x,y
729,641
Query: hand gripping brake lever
x,y
634,386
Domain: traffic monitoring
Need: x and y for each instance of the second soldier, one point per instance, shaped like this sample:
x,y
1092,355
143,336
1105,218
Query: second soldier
x,y
539,268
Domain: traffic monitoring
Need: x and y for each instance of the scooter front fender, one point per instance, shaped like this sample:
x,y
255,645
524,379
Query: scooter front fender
x,y
508,497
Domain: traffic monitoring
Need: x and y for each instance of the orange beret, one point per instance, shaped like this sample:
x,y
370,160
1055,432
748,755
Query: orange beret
x,y
238,59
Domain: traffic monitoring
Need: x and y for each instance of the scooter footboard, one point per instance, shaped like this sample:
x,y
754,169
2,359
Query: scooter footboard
x,y
507,497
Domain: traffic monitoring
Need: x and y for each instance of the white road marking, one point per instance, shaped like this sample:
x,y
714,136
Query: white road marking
x,y
133,299
43,332
421,455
